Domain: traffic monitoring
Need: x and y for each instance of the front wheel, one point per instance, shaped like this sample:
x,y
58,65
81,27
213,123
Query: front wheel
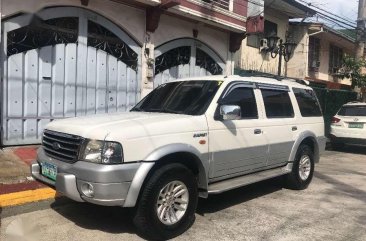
x,y
168,203
302,170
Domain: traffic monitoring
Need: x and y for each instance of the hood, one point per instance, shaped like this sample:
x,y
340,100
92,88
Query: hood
x,y
128,125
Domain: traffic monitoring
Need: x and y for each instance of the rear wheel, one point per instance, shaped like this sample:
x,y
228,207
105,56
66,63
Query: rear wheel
x,y
168,203
302,170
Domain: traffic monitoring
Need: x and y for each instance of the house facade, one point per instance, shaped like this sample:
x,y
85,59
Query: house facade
x,y
66,58
254,53
319,54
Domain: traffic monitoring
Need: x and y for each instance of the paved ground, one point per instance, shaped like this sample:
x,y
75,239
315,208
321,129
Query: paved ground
x,y
14,164
332,208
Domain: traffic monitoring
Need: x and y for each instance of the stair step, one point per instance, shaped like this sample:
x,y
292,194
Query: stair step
x,y
229,184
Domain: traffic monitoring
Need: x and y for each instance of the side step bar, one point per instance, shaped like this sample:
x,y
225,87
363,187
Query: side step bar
x,y
226,185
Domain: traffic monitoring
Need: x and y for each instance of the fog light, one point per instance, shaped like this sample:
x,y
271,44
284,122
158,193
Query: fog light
x,y
87,189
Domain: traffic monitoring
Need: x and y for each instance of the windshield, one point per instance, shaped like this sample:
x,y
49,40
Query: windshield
x,y
352,111
185,97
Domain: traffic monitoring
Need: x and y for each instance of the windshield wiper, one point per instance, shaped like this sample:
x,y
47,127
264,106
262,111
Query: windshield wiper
x,y
137,109
171,111
163,111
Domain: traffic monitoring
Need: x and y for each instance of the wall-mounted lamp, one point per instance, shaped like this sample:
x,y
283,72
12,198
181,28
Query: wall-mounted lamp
x,y
282,49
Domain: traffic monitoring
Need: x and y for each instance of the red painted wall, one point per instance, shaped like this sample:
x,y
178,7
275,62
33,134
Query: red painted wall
x,y
240,7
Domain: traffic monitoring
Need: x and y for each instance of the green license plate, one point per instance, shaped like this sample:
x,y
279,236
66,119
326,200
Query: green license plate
x,y
49,170
355,125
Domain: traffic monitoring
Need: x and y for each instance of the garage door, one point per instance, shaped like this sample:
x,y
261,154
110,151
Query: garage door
x,y
184,58
66,62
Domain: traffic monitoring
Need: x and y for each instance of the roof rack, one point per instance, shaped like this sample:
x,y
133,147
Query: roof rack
x,y
251,73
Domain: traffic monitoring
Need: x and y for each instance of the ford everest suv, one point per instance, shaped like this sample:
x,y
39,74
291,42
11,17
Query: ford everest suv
x,y
187,139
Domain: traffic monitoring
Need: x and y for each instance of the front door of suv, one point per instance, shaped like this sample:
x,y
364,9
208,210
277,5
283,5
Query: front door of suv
x,y
237,147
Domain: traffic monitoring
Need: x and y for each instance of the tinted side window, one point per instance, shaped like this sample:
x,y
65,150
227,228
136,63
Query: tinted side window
x,y
277,104
308,102
243,97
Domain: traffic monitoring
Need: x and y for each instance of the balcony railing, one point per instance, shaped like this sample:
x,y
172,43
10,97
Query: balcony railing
x,y
224,4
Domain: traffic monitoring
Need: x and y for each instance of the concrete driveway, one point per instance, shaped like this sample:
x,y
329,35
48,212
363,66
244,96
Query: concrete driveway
x,y
332,208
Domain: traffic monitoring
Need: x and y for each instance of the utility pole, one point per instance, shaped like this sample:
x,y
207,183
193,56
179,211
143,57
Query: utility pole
x,y
361,37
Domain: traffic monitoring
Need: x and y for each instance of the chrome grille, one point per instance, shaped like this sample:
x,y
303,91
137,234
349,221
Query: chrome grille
x,y
61,146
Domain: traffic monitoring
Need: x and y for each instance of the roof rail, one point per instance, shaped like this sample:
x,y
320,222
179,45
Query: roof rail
x,y
253,73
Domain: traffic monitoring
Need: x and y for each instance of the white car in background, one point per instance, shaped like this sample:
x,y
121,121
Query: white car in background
x,y
349,125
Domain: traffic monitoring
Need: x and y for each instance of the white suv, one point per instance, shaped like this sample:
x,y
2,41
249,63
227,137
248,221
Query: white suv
x,y
187,139
349,125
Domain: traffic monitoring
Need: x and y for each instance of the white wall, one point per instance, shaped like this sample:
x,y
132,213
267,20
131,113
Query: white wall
x,y
132,21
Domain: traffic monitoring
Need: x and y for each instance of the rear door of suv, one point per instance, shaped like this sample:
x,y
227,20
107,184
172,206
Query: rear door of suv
x,y
279,114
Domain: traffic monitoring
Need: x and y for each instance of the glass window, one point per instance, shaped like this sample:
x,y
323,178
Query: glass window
x,y
314,54
308,103
183,97
352,111
243,97
335,59
277,104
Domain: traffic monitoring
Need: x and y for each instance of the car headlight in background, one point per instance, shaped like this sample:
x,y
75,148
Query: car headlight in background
x,y
103,152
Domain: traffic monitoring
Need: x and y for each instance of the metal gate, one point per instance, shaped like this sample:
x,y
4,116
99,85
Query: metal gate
x,y
63,63
184,58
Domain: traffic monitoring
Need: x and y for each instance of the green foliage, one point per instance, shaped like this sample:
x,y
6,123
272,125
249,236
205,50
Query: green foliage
x,y
352,69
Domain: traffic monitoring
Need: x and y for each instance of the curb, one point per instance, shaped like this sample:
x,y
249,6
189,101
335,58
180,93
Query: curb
x,y
22,193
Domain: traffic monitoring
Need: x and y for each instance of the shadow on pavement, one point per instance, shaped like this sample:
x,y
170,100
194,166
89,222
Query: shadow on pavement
x,y
119,220
342,188
94,217
350,149
215,203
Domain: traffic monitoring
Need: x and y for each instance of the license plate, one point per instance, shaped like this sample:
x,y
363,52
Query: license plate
x,y
49,170
355,125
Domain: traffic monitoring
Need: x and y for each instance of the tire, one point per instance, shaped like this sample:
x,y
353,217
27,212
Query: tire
x,y
300,179
146,219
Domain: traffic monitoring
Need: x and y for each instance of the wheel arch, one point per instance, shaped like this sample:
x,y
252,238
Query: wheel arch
x,y
184,154
310,139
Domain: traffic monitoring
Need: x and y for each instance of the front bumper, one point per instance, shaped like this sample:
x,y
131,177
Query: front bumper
x,y
110,183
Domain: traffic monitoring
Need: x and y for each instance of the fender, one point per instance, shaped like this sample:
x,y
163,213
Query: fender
x,y
301,138
149,161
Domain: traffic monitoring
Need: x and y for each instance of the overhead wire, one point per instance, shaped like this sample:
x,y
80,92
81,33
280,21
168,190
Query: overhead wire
x,y
344,20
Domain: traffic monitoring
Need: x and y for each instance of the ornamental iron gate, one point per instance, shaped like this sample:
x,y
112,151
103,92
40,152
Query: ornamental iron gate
x,y
67,62
183,58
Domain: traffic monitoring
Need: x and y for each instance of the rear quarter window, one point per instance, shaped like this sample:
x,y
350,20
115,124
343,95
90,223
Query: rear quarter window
x,y
308,103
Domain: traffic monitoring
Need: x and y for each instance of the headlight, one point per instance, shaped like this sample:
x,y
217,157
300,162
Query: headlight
x,y
104,152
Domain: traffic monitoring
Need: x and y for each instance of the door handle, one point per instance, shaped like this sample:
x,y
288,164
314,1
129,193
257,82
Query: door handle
x,y
257,131
294,128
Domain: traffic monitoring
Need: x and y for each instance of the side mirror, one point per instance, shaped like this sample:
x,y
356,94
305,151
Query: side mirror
x,y
230,112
